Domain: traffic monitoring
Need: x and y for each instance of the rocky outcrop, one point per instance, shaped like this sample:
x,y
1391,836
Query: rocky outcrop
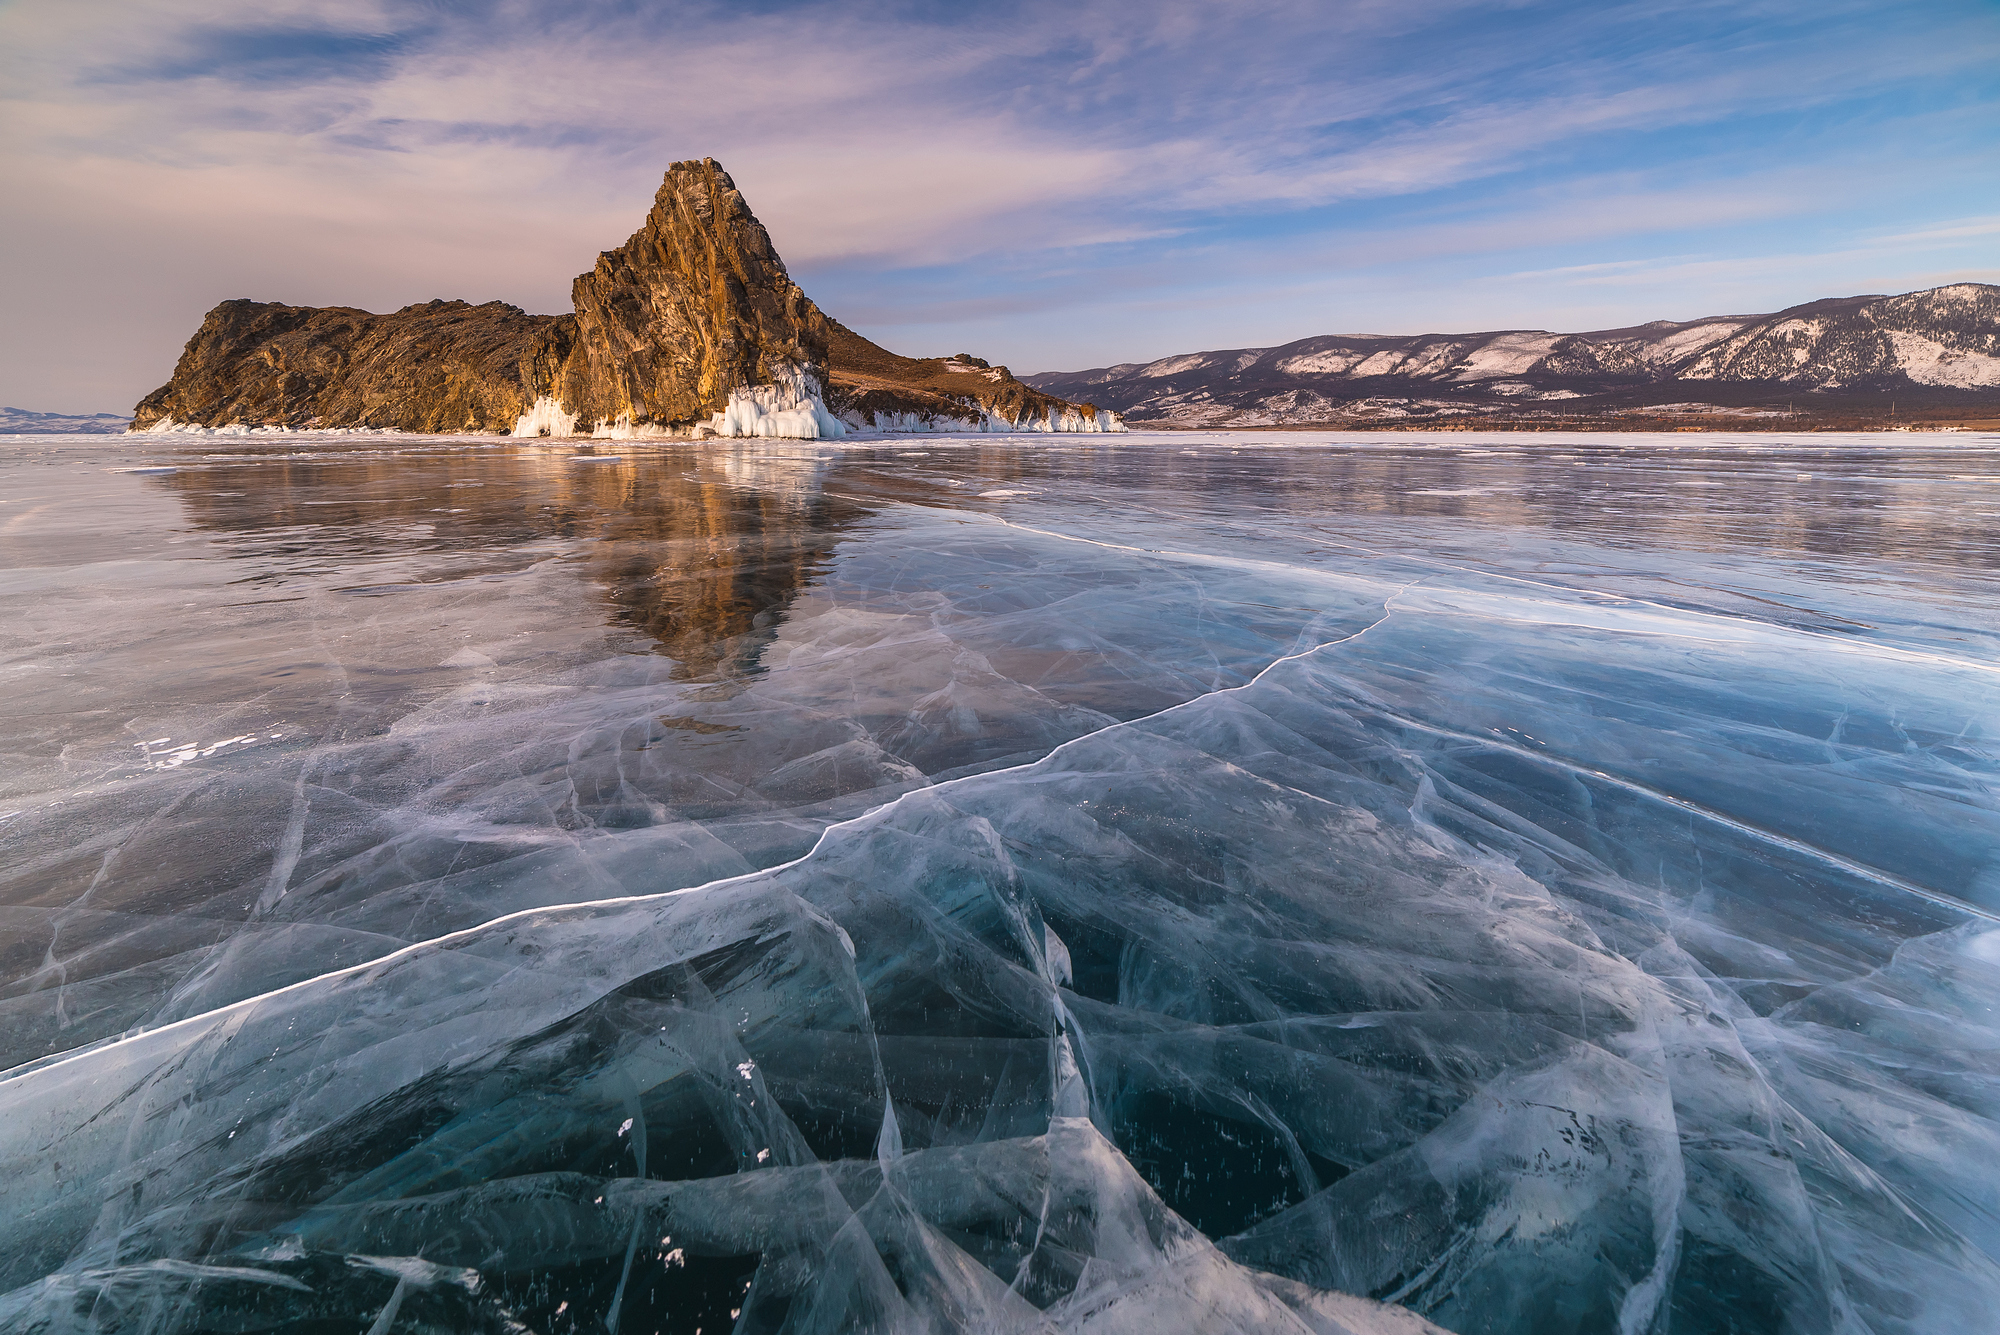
x,y
871,386
693,326
695,305
440,366
1936,347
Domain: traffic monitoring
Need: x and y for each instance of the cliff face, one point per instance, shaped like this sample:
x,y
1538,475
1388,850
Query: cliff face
x,y
440,366
693,318
694,305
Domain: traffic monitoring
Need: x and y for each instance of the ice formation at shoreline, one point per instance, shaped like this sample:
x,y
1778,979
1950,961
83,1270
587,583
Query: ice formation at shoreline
x,y
789,409
169,427
546,418
793,407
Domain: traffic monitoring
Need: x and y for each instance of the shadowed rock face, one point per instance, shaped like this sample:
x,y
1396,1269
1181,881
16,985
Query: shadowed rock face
x,y
696,304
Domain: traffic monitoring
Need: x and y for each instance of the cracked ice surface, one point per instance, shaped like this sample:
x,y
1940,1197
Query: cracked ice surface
x,y
1234,892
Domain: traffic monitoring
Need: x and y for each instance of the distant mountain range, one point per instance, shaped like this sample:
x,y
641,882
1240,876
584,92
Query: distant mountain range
x,y
21,422
1930,350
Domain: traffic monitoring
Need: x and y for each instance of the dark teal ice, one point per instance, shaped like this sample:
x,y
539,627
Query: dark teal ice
x,y
1527,884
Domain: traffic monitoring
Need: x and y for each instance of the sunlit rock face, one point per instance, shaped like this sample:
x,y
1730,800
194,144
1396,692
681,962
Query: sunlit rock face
x,y
439,366
694,305
692,325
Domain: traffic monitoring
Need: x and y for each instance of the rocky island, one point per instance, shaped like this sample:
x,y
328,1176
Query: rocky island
x,y
693,327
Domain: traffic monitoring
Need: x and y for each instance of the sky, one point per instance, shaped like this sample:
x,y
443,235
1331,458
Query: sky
x,y
1050,184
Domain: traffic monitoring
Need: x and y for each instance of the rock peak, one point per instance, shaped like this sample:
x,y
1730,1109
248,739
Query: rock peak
x,y
692,322
694,305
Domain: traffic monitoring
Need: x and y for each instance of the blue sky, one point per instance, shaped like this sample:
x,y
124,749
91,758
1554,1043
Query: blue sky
x,y
1052,185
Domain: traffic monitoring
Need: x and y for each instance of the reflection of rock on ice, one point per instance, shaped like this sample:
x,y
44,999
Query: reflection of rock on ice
x,y
791,476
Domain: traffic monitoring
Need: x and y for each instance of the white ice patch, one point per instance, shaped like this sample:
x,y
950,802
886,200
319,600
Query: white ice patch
x,y
790,409
1068,421
911,423
546,418
176,756
624,428
167,426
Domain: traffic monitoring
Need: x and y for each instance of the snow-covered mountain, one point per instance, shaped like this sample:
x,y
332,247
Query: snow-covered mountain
x,y
1942,344
21,422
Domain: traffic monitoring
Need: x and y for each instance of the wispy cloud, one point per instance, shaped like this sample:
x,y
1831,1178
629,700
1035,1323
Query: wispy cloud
x,y
1952,231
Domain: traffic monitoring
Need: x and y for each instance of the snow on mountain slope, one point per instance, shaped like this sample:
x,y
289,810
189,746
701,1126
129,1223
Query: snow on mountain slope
x,y
24,422
1945,340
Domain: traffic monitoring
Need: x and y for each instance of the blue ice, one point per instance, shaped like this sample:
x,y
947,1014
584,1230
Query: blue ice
x,y
1121,909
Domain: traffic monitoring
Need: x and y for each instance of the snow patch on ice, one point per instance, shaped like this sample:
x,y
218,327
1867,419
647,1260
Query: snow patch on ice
x,y
176,756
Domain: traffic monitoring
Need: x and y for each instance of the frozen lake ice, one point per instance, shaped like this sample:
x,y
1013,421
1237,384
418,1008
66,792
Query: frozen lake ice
x,y
1262,881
